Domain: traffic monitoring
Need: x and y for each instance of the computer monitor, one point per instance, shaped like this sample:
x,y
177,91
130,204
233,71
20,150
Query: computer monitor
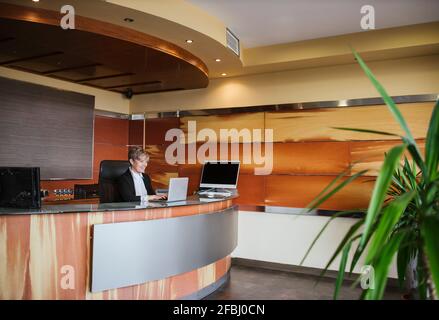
x,y
20,187
220,174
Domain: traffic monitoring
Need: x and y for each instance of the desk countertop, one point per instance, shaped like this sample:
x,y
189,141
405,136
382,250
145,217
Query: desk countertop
x,y
116,206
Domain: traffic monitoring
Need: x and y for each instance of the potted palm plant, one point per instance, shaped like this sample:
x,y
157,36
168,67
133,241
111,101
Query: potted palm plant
x,y
402,218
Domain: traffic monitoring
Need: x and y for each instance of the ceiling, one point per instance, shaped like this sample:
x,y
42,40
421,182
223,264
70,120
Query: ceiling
x,y
262,23
330,30
171,20
95,59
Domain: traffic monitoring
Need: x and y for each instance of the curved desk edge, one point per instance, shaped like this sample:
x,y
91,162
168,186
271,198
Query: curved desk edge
x,y
49,256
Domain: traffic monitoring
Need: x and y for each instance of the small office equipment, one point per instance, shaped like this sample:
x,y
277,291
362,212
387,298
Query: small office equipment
x,y
219,178
86,191
20,187
177,190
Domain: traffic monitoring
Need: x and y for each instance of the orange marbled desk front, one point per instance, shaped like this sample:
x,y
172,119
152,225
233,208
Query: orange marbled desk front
x,y
34,249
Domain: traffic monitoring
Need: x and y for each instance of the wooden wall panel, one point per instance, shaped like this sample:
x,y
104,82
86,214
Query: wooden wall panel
x,y
108,152
111,131
250,156
369,155
158,169
193,172
251,190
299,191
316,125
155,130
135,135
309,155
243,152
310,158
238,121
197,153
157,161
160,180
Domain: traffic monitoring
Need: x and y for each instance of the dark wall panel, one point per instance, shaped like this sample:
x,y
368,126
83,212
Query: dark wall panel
x,y
47,128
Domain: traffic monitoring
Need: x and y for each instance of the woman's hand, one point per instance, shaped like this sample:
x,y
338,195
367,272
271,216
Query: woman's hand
x,y
157,197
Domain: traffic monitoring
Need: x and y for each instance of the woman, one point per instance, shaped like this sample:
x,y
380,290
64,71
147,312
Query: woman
x,y
134,184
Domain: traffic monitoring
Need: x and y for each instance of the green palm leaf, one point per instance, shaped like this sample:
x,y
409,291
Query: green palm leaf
x,y
381,267
390,217
349,236
387,99
342,268
367,131
325,196
336,215
403,212
360,249
408,139
432,144
380,188
402,260
430,236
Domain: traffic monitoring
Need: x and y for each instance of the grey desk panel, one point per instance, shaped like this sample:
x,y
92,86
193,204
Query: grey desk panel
x,y
130,253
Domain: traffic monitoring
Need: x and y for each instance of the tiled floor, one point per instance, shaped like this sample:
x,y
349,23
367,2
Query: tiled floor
x,y
255,283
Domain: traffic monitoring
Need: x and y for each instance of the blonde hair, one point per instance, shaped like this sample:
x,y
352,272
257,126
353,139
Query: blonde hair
x,y
134,153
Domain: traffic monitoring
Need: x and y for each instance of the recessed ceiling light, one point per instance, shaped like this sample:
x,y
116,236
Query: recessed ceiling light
x,y
128,20
223,74
218,60
35,0
189,41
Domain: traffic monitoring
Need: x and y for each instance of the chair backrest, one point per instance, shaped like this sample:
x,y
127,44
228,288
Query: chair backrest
x,y
109,171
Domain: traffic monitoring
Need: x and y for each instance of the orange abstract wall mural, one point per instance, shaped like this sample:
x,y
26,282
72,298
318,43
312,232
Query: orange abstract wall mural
x,y
307,151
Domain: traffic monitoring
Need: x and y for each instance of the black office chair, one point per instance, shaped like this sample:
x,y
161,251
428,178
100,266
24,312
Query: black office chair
x,y
109,171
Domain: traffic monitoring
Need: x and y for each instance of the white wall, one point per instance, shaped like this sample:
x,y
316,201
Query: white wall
x,y
416,75
284,238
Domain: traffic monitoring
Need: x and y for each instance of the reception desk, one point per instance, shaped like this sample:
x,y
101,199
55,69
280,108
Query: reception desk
x,y
179,250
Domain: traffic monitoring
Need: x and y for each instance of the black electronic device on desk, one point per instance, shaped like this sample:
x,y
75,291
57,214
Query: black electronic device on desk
x,y
86,191
219,179
20,187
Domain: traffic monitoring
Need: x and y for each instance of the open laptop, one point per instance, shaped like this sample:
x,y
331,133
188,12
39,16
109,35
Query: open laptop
x,y
177,190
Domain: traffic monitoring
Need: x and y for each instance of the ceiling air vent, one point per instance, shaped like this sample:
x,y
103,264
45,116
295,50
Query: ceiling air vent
x,y
232,42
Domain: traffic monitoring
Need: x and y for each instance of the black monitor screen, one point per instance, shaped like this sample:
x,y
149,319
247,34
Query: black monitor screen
x,y
20,187
220,173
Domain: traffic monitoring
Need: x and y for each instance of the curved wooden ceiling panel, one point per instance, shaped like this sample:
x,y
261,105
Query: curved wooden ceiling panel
x,y
96,53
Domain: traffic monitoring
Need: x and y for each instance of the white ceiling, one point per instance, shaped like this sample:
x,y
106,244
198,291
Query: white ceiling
x,y
266,22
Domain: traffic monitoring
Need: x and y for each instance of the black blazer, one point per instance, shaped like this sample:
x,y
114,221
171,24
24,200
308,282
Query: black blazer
x,y
125,186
